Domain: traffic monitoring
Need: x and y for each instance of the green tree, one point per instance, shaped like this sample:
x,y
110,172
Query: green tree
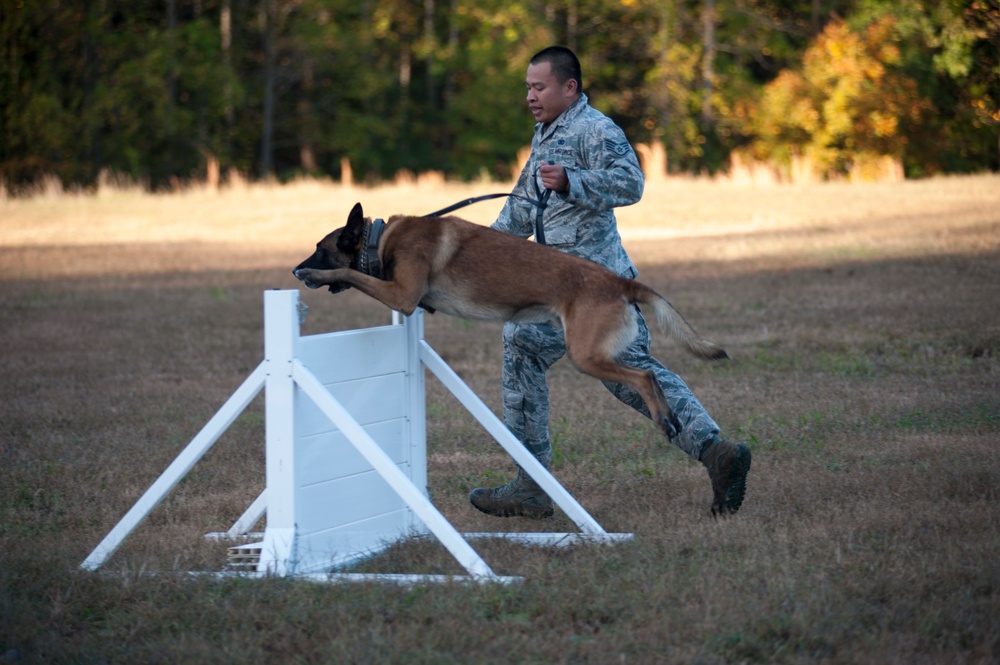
x,y
965,40
40,118
159,90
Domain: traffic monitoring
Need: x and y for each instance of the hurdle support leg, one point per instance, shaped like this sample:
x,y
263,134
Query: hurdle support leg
x,y
188,457
475,406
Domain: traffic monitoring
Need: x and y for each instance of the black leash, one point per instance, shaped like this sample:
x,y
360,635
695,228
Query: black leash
x,y
541,203
468,202
370,264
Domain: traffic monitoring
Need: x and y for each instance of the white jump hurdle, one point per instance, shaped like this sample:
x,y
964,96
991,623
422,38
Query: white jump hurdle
x,y
346,462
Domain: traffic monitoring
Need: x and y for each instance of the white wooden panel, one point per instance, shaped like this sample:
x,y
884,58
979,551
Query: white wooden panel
x,y
368,401
346,356
412,496
344,501
349,542
330,455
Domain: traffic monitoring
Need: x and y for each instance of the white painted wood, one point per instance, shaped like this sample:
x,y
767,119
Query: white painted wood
x,y
346,460
281,336
416,409
360,354
351,542
552,539
323,457
250,516
515,448
355,578
414,498
370,400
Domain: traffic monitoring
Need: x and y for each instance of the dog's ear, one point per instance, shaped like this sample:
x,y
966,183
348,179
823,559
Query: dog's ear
x,y
350,238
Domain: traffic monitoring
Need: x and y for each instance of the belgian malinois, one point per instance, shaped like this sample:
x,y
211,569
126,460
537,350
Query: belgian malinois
x,y
474,272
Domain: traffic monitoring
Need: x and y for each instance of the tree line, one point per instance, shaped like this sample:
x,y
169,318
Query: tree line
x,y
172,89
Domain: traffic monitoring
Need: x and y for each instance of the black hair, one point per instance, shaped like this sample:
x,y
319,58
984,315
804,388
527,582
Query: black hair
x,y
564,64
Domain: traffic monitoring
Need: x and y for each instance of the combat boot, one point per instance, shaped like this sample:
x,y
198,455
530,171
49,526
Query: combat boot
x,y
728,465
521,497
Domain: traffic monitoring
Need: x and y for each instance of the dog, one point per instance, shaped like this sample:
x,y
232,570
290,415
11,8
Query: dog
x,y
459,268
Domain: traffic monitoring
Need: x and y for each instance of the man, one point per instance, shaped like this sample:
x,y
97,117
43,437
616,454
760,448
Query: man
x,y
587,162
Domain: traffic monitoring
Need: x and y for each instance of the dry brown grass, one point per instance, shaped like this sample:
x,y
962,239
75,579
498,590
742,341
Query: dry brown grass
x,y
863,322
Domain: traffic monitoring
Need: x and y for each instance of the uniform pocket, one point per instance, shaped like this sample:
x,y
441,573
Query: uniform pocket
x,y
561,236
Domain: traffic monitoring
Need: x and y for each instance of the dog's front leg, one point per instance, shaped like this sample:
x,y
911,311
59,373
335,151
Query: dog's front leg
x,y
392,293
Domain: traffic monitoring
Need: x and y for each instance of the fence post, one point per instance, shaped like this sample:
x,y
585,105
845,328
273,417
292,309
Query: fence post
x,y
417,400
281,337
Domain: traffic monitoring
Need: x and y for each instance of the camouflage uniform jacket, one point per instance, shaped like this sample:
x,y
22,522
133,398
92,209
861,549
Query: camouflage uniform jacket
x,y
603,174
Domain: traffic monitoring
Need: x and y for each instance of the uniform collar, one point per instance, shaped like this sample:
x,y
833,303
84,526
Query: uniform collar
x,y
564,118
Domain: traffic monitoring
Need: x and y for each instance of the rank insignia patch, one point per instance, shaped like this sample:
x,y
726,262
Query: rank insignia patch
x,y
619,148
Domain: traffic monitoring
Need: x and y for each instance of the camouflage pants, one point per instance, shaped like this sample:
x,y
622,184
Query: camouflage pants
x,y
530,349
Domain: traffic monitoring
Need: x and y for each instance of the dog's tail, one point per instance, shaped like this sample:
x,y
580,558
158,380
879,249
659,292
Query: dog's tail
x,y
674,325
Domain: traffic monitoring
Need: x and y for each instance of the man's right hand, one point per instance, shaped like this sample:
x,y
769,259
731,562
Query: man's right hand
x,y
553,176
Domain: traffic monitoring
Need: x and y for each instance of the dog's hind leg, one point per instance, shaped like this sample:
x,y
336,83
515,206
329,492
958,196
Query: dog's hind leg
x,y
591,349
643,382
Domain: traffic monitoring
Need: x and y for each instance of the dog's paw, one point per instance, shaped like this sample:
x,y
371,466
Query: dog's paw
x,y
339,286
670,426
675,424
308,277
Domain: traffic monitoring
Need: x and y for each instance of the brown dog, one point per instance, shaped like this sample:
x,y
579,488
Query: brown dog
x,y
474,272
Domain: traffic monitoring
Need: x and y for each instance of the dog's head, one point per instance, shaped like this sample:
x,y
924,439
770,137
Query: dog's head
x,y
338,249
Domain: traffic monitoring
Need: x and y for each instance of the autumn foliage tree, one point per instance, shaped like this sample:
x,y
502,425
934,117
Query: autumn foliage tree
x,y
850,103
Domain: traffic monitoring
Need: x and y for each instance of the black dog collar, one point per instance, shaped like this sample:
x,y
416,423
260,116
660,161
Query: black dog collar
x,y
370,263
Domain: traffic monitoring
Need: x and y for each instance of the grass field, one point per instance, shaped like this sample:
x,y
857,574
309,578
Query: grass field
x,y
863,323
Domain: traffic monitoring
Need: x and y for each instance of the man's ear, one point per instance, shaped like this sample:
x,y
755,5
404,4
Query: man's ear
x,y
351,236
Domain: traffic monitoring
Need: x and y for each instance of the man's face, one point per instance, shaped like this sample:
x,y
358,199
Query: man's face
x,y
547,98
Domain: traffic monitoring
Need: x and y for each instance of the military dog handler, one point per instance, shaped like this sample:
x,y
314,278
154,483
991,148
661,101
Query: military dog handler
x,y
585,160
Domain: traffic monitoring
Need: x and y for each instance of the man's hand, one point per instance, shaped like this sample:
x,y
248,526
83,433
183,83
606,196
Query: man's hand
x,y
553,176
